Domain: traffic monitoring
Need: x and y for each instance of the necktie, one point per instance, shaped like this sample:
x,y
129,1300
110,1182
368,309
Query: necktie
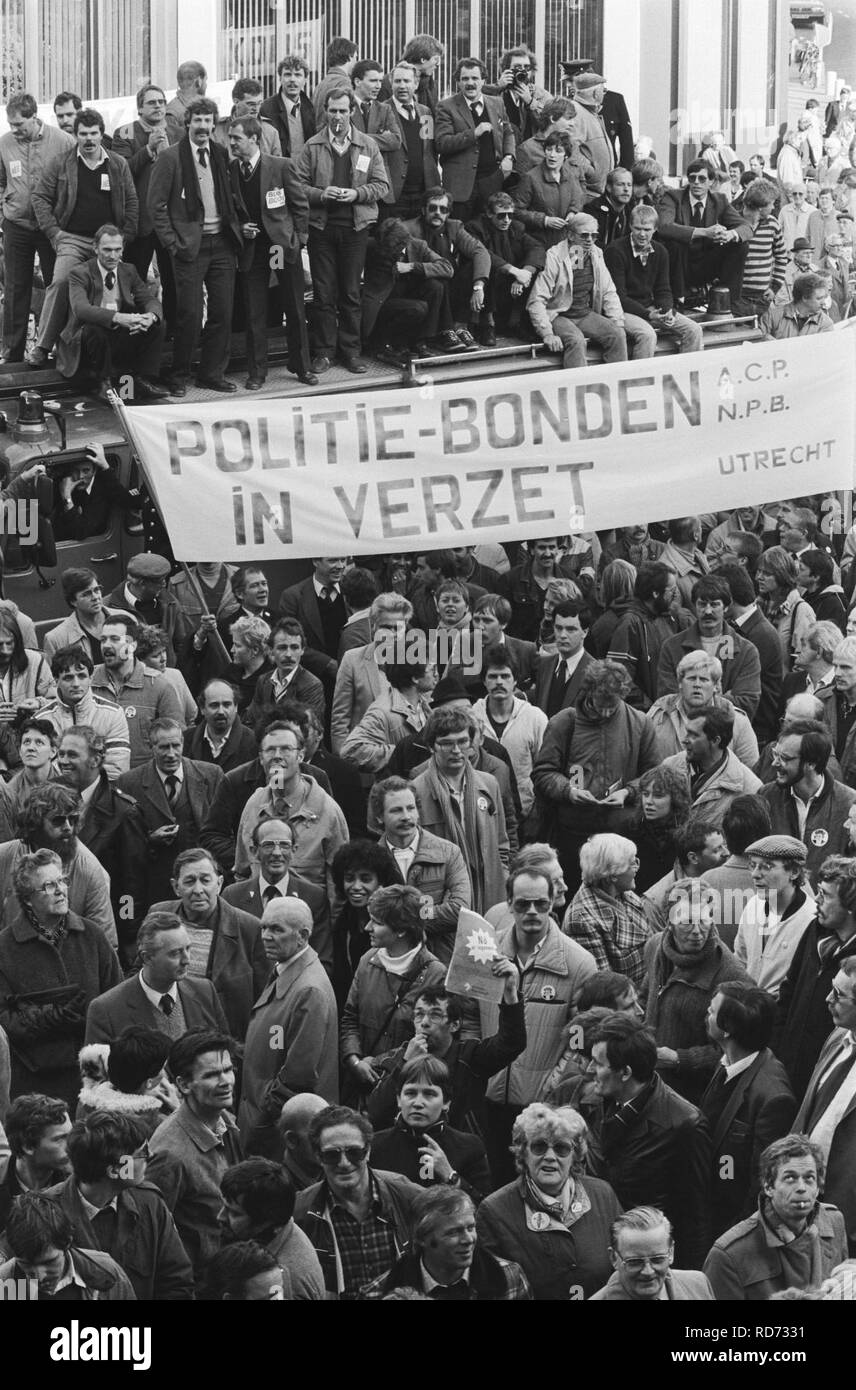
x,y
294,110
246,168
202,156
109,279
326,593
271,892
166,1004
171,782
698,214
557,689
478,112
365,107
826,1091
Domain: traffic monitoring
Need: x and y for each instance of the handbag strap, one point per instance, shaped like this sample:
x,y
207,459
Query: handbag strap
x,y
406,982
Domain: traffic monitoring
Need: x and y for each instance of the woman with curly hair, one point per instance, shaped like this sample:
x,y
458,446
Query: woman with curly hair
x,y
358,868
553,1220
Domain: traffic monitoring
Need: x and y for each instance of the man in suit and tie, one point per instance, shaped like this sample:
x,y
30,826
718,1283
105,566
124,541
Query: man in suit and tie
x,y
559,678
162,995
290,111
288,680
220,738
828,1110
711,239
174,796
318,605
291,1045
371,116
267,190
271,850
748,1102
116,322
475,141
491,616
412,167
195,218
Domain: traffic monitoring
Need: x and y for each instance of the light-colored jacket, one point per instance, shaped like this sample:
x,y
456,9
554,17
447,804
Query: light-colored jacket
x,y
553,291
292,1041
102,715
521,738
387,721
717,794
670,724
319,829
88,887
550,987
765,943
28,159
359,681
314,166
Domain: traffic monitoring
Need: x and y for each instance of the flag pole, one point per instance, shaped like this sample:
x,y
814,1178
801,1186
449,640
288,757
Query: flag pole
x,y
127,428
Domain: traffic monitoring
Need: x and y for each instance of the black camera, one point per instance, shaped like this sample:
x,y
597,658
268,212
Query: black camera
x,y
522,77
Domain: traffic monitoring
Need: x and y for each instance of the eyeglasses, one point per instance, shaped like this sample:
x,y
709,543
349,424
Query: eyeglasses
x,y
636,1264
839,996
499,213
586,236
438,207
64,820
560,1147
56,887
694,178
281,846
331,1158
452,745
538,904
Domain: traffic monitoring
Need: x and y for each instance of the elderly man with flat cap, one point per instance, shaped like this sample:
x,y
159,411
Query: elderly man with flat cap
x,y
291,1043
146,595
574,301
774,919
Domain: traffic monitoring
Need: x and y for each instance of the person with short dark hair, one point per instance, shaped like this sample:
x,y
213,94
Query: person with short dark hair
x,y
28,146
475,141
516,257
654,1146
37,1128
289,679
290,111
801,779
219,737
140,142
345,178
710,238
258,1204
82,593
244,1273
40,1240
191,1150
804,315
422,1144
748,1102
191,82
136,1086
76,704
715,773
81,189
357,1217
802,1014
741,665
247,100
645,624
342,56
793,1239
112,1208
195,217
403,290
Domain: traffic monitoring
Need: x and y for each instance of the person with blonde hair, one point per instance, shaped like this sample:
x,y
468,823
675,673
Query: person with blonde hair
x,y
552,1197
606,916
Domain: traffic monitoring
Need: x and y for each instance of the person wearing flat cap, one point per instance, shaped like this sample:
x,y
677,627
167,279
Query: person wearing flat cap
x,y
145,594
589,90
774,919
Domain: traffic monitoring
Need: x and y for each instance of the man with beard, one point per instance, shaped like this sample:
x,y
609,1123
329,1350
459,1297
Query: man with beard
x,y
220,737
643,628
741,665
804,799
464,294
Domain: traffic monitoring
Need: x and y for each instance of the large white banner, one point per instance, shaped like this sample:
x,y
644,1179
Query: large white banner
x,y
504,458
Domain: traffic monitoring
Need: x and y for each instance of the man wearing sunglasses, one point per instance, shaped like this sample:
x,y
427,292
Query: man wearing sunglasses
x,y
357,1218
516,257
642,1251
710,237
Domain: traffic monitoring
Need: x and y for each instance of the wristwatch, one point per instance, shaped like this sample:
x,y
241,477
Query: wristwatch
x,y
454,1179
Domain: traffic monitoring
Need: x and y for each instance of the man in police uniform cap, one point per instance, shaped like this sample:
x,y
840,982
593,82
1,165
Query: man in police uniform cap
x,y
145,594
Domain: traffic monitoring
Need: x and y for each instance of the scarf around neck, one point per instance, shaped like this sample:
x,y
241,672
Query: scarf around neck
x,y
688,963
465,835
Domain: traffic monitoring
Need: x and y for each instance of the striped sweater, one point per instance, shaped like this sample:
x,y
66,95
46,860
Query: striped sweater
x,y
766,260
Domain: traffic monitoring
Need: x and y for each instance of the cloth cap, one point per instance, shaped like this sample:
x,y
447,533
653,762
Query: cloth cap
x,y
584,81
448,689
801,244
785,847
148,566
572,67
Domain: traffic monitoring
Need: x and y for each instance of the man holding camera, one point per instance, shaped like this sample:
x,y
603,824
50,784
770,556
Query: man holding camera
x,y
522,99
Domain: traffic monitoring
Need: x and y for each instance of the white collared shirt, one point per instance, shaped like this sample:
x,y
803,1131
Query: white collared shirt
x,y
341,146
404,855
91,1211
429,1282
334,588
571,663
100,160
178,775
154,996
733,1069
281,887
744,617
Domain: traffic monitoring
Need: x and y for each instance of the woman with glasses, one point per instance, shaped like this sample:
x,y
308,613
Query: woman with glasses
x,y
553,1220
551,192
378,1013
49,819
606,916
53,962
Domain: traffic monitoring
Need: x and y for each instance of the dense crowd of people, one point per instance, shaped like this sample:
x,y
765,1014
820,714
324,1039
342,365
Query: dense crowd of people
x,y
428,224
238,830
236,839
